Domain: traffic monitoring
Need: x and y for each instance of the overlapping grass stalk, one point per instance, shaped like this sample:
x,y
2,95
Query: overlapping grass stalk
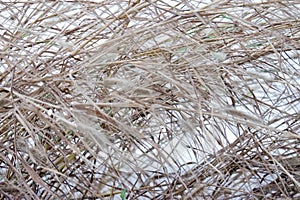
x,y
149,99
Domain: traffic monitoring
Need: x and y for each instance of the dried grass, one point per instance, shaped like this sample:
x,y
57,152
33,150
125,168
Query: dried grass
x,y
167,101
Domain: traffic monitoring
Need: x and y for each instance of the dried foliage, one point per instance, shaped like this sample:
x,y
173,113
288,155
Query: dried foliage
x,y
163,99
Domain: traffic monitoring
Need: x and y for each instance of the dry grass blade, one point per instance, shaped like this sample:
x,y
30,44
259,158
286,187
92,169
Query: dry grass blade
x,y
144,99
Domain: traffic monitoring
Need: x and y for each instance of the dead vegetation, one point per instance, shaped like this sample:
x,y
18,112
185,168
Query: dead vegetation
x,y
150,99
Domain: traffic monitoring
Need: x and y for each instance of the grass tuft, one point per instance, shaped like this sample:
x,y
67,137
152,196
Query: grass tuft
x,y
147,99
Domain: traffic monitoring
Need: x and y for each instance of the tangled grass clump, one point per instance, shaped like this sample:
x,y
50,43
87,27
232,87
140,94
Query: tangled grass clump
x,y
145,99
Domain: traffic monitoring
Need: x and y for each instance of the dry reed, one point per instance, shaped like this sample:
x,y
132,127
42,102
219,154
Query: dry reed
x,y
150,99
